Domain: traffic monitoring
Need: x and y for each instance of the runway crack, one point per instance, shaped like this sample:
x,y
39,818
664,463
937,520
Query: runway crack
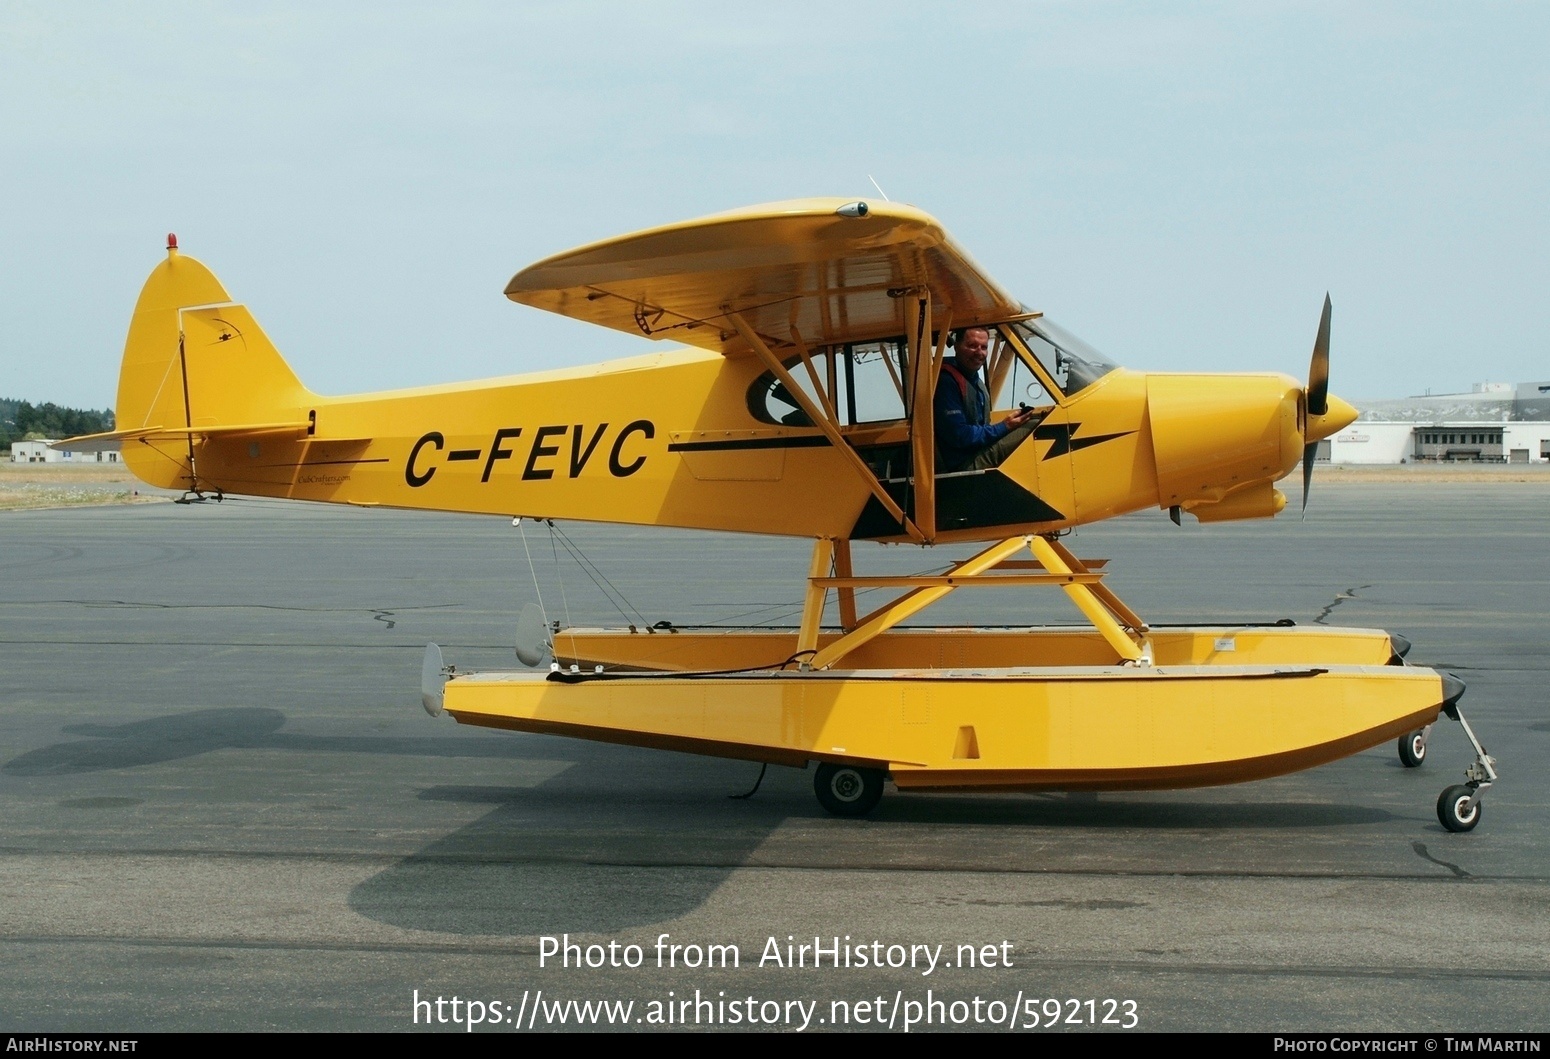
x,y
1340,597
1420,851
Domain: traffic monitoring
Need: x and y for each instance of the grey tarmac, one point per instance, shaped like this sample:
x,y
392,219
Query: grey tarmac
x,y
223,808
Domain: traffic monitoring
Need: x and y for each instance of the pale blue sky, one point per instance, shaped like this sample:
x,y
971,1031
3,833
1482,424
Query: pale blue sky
x,y
1180,184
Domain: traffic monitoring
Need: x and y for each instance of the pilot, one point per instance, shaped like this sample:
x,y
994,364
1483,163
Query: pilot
x,y
966,439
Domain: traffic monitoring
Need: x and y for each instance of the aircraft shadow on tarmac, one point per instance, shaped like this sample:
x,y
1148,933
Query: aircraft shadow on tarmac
x,y
620,839
625,839
183,735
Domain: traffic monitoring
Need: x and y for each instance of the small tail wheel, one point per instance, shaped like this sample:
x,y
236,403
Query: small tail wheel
x,y
1412,748
1454,810
848,790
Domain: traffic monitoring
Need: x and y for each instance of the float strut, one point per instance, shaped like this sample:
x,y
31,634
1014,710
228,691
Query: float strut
x,y
1096,607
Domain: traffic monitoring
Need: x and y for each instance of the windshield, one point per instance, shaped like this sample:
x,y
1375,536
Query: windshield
x,y
1072,363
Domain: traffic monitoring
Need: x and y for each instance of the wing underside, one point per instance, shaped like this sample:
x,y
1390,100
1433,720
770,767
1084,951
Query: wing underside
x,y
809,272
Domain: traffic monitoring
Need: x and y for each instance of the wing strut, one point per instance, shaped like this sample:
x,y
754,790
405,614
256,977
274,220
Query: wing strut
x,y
812,373
823,422
924,368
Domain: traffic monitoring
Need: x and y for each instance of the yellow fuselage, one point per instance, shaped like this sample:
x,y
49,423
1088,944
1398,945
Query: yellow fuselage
x,y
665,439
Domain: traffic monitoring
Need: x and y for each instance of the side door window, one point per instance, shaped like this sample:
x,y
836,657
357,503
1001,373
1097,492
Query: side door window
x,y
873,383
864,382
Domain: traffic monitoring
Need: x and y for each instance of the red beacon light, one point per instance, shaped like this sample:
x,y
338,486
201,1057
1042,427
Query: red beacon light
x,y
172,241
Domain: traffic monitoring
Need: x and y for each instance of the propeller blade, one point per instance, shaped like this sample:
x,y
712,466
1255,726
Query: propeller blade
x,y
1318,370
1308,454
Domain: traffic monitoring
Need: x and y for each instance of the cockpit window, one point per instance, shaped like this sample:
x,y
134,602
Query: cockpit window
x,y
1012,382
771,402
866,382
1072,363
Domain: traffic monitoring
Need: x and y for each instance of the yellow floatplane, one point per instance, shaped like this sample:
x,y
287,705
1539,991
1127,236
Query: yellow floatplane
x,y
800,401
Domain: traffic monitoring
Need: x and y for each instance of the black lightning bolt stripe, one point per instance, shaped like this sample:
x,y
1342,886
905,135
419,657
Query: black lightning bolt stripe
x,y
1063,437
963,501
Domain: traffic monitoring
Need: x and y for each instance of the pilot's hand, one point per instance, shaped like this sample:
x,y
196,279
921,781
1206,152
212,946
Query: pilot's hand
x,y
1018,418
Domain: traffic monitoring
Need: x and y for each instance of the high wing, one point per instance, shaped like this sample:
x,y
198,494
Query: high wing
x,y
806,272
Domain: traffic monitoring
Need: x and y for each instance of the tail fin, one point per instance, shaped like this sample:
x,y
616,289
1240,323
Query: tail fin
x,y
194,360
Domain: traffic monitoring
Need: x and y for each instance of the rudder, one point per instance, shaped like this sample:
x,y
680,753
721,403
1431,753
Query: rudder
x,y
194,359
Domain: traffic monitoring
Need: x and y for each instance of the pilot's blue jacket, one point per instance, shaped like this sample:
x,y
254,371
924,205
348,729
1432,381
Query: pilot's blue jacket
x,y
963,426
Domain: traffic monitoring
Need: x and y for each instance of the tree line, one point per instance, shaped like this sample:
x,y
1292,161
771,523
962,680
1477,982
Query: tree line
x,y
24,421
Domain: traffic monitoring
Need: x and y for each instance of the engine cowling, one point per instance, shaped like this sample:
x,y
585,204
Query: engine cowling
x,y
1213,435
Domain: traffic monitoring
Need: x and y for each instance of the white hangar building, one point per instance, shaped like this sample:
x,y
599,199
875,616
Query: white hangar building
x,y
43,452
1493,423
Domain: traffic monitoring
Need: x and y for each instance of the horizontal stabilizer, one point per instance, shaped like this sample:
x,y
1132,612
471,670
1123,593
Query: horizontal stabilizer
x,y
112,439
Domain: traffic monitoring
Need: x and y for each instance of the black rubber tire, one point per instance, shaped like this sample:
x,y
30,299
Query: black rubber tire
x,y
1450,809
1412,748
848,790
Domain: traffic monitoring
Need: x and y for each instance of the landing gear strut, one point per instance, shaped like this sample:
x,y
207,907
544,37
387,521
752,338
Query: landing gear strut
x,y
1459,807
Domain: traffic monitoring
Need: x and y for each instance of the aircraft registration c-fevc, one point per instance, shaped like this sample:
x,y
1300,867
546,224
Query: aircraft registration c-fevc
x,y
801,403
